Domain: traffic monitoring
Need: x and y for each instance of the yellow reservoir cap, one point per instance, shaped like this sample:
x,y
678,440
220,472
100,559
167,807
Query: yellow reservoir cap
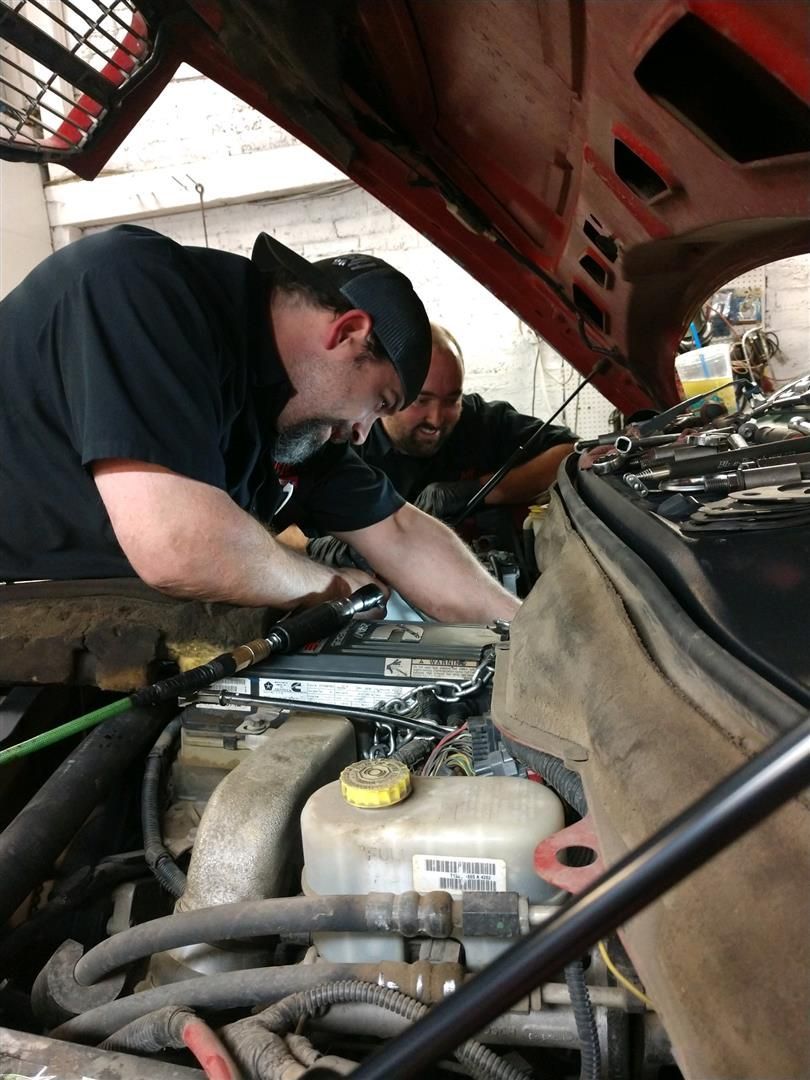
x,y
370,784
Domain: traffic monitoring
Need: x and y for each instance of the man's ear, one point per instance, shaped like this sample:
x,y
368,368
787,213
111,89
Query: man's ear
x,y
347,328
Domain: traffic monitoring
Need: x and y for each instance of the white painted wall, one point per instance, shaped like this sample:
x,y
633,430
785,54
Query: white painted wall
x,y
25,237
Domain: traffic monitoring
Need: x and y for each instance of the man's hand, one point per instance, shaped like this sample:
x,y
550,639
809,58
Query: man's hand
x,y
333,552
446,500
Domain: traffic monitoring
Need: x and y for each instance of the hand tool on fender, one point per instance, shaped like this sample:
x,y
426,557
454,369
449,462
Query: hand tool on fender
x,y
726,460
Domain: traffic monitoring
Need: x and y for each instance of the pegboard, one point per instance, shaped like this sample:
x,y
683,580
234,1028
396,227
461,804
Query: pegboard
x,y
593,416
588,414
753,279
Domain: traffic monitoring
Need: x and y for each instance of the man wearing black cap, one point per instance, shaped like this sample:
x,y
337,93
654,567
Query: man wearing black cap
x,y
149,391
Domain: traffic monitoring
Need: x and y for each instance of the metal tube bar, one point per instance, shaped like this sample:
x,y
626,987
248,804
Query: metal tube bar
x,y
598,369
735,805
548,1027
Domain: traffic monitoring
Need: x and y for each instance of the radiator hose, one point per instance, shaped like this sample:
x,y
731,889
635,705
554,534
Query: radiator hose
x,y
406,913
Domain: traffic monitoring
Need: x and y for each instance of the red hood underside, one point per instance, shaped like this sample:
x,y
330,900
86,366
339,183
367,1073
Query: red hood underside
x,y
600,166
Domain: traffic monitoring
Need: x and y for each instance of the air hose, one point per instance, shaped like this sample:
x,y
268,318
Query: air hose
x,y
64,731
294,632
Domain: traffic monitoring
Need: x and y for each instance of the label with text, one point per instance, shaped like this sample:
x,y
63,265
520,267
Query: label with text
x,y
458,874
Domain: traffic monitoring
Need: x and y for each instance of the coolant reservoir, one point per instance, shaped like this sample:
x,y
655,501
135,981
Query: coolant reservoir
x,y
379,829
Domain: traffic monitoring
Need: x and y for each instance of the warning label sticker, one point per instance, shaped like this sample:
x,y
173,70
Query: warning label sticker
x,y
427,670
442,669
458,874
361,695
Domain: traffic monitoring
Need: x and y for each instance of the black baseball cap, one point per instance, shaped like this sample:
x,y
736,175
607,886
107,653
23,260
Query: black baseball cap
x,y
400,321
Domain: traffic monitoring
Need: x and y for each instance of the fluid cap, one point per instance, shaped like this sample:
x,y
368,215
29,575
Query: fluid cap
x,y
383,782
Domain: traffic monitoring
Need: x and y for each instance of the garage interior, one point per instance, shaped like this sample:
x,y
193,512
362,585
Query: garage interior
x,y
243,842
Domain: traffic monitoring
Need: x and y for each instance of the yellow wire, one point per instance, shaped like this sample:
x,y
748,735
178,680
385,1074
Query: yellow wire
x,y
620,979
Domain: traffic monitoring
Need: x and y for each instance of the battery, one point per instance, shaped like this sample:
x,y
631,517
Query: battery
x,y
366,663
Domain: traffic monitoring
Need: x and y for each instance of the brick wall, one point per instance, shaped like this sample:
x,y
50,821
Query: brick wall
x,y
502,355
787,311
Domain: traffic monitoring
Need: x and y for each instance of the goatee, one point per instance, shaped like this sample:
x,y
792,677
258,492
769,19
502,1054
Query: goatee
x,y
299,442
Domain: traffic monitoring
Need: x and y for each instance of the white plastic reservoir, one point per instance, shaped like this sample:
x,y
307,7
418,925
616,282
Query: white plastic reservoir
x,y
454,833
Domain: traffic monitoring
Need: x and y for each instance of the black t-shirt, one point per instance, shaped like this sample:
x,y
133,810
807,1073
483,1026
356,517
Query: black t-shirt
x,y
127,345
484,437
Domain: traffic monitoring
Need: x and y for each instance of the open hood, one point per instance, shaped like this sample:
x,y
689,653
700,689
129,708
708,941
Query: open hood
x,y
600,167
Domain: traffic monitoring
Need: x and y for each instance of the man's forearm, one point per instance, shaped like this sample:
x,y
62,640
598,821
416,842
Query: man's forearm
x,y
432,568
526,481
191,540
247,565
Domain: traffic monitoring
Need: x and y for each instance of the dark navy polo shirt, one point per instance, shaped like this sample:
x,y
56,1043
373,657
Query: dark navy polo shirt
x,y
487,433
127,345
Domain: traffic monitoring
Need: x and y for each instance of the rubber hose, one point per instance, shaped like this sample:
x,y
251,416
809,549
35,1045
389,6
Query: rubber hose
x,y
41,831
225,922
186,681
285,1015
158,1030
158,859
15,944
225,990
566,782
590,1056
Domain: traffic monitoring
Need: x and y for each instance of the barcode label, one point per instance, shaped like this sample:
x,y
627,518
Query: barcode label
x,y
461,866
470,884
458,874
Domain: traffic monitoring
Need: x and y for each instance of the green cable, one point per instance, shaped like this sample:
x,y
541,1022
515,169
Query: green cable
x,y
64,731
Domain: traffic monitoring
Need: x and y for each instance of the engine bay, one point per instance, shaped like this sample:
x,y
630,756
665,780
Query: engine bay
x,y
388,785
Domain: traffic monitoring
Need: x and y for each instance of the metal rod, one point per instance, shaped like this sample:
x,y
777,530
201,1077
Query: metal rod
x,y
735,805
372,716
599,368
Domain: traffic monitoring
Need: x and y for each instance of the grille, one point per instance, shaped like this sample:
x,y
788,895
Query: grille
x,y
63,64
